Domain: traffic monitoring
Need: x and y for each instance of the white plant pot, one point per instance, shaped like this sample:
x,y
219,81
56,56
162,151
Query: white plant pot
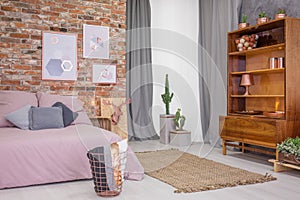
x,y
180,138
167,124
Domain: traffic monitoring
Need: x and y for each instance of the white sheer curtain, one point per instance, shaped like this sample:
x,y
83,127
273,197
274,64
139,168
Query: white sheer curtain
x,y
216,18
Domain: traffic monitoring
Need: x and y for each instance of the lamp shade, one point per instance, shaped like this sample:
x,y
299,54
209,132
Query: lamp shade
x,y
247,80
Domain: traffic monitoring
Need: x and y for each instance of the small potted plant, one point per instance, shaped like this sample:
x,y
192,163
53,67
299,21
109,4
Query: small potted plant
x,y
179,120
280,14
262,18
180,137
243,23
289,151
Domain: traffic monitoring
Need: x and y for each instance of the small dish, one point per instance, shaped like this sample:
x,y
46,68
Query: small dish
x,y
275,114
249,112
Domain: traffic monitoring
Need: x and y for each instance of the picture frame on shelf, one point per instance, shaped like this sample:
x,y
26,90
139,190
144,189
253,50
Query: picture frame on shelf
x,y
95,41
59,56
104,74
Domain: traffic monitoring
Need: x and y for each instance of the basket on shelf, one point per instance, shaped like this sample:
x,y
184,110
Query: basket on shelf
x,y
107,166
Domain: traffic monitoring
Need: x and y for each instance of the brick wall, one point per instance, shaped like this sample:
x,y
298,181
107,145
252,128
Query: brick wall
x,y
21,26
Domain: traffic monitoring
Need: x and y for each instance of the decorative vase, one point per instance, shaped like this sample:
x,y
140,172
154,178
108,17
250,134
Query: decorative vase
x,y
243,25
262,20
280,16
167,124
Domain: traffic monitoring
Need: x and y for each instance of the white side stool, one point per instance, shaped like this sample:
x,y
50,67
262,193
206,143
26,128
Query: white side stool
x,y
180,138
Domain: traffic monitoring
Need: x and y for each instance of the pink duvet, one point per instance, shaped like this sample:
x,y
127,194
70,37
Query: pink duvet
x,y
54,155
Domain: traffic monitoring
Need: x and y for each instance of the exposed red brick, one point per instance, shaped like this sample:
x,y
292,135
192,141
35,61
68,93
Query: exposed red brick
x,y
105,20
107,7
6,87
32,72
23,88
20,25
50,13
36,37
76,11
94,23
59,9
10,82
80,7
3,55
119,12
10,72
122,4
37,78
24,67
38,27
55,88
70,6
32,1
32,82
19,35
9,8
21,46
31,11
4,45
36,67
50,3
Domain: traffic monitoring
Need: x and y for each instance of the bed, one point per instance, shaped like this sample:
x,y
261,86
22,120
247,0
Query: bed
x,y
31,157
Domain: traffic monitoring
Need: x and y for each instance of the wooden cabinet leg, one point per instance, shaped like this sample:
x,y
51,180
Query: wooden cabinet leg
x,y
224,147
243,147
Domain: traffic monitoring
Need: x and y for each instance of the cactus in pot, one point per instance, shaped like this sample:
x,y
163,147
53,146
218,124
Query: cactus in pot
x,y
179,120
166,97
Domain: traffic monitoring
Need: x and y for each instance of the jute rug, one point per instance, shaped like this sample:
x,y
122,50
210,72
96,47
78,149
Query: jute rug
x,y
190,173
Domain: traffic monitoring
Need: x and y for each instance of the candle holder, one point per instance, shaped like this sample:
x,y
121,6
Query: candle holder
x,y
247,80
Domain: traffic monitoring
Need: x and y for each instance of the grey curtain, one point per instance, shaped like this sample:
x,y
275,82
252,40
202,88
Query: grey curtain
x,y
216,18
253,7
139,81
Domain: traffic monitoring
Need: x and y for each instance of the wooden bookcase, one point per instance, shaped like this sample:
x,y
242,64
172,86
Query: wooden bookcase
x,y
273,90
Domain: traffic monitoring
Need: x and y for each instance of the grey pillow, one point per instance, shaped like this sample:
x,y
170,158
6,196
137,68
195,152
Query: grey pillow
x,y
20,117
45,118
68,115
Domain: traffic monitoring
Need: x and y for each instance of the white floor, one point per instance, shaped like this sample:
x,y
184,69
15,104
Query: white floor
x,y
287,185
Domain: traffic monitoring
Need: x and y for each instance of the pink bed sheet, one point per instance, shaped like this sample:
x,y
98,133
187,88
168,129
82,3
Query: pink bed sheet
x,y
54,155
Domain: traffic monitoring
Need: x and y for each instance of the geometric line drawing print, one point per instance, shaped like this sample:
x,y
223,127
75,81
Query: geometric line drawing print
x,y
104,74
95,41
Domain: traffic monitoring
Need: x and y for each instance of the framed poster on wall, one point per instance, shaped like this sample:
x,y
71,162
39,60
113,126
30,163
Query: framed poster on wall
x,y
105,74
59,57
95,41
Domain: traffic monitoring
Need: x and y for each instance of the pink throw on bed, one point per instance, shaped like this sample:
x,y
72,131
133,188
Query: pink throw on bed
x,y
54,155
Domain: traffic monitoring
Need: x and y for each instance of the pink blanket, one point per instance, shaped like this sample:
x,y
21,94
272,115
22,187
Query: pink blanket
x,y
54,155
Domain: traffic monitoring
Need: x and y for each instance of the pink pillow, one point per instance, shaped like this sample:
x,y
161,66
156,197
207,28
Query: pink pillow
x,y
47,100
13,100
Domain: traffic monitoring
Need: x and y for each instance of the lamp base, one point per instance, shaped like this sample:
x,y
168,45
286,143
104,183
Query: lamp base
x,y
247,91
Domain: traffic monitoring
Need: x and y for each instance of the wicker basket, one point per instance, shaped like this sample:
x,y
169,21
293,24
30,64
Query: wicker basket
x,y
108,176
289,158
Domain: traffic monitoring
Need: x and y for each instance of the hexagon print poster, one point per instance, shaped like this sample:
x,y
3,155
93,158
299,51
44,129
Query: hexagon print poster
x,y
59,60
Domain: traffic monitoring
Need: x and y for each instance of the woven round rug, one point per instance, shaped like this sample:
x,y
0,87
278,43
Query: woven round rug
x,y
190,173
